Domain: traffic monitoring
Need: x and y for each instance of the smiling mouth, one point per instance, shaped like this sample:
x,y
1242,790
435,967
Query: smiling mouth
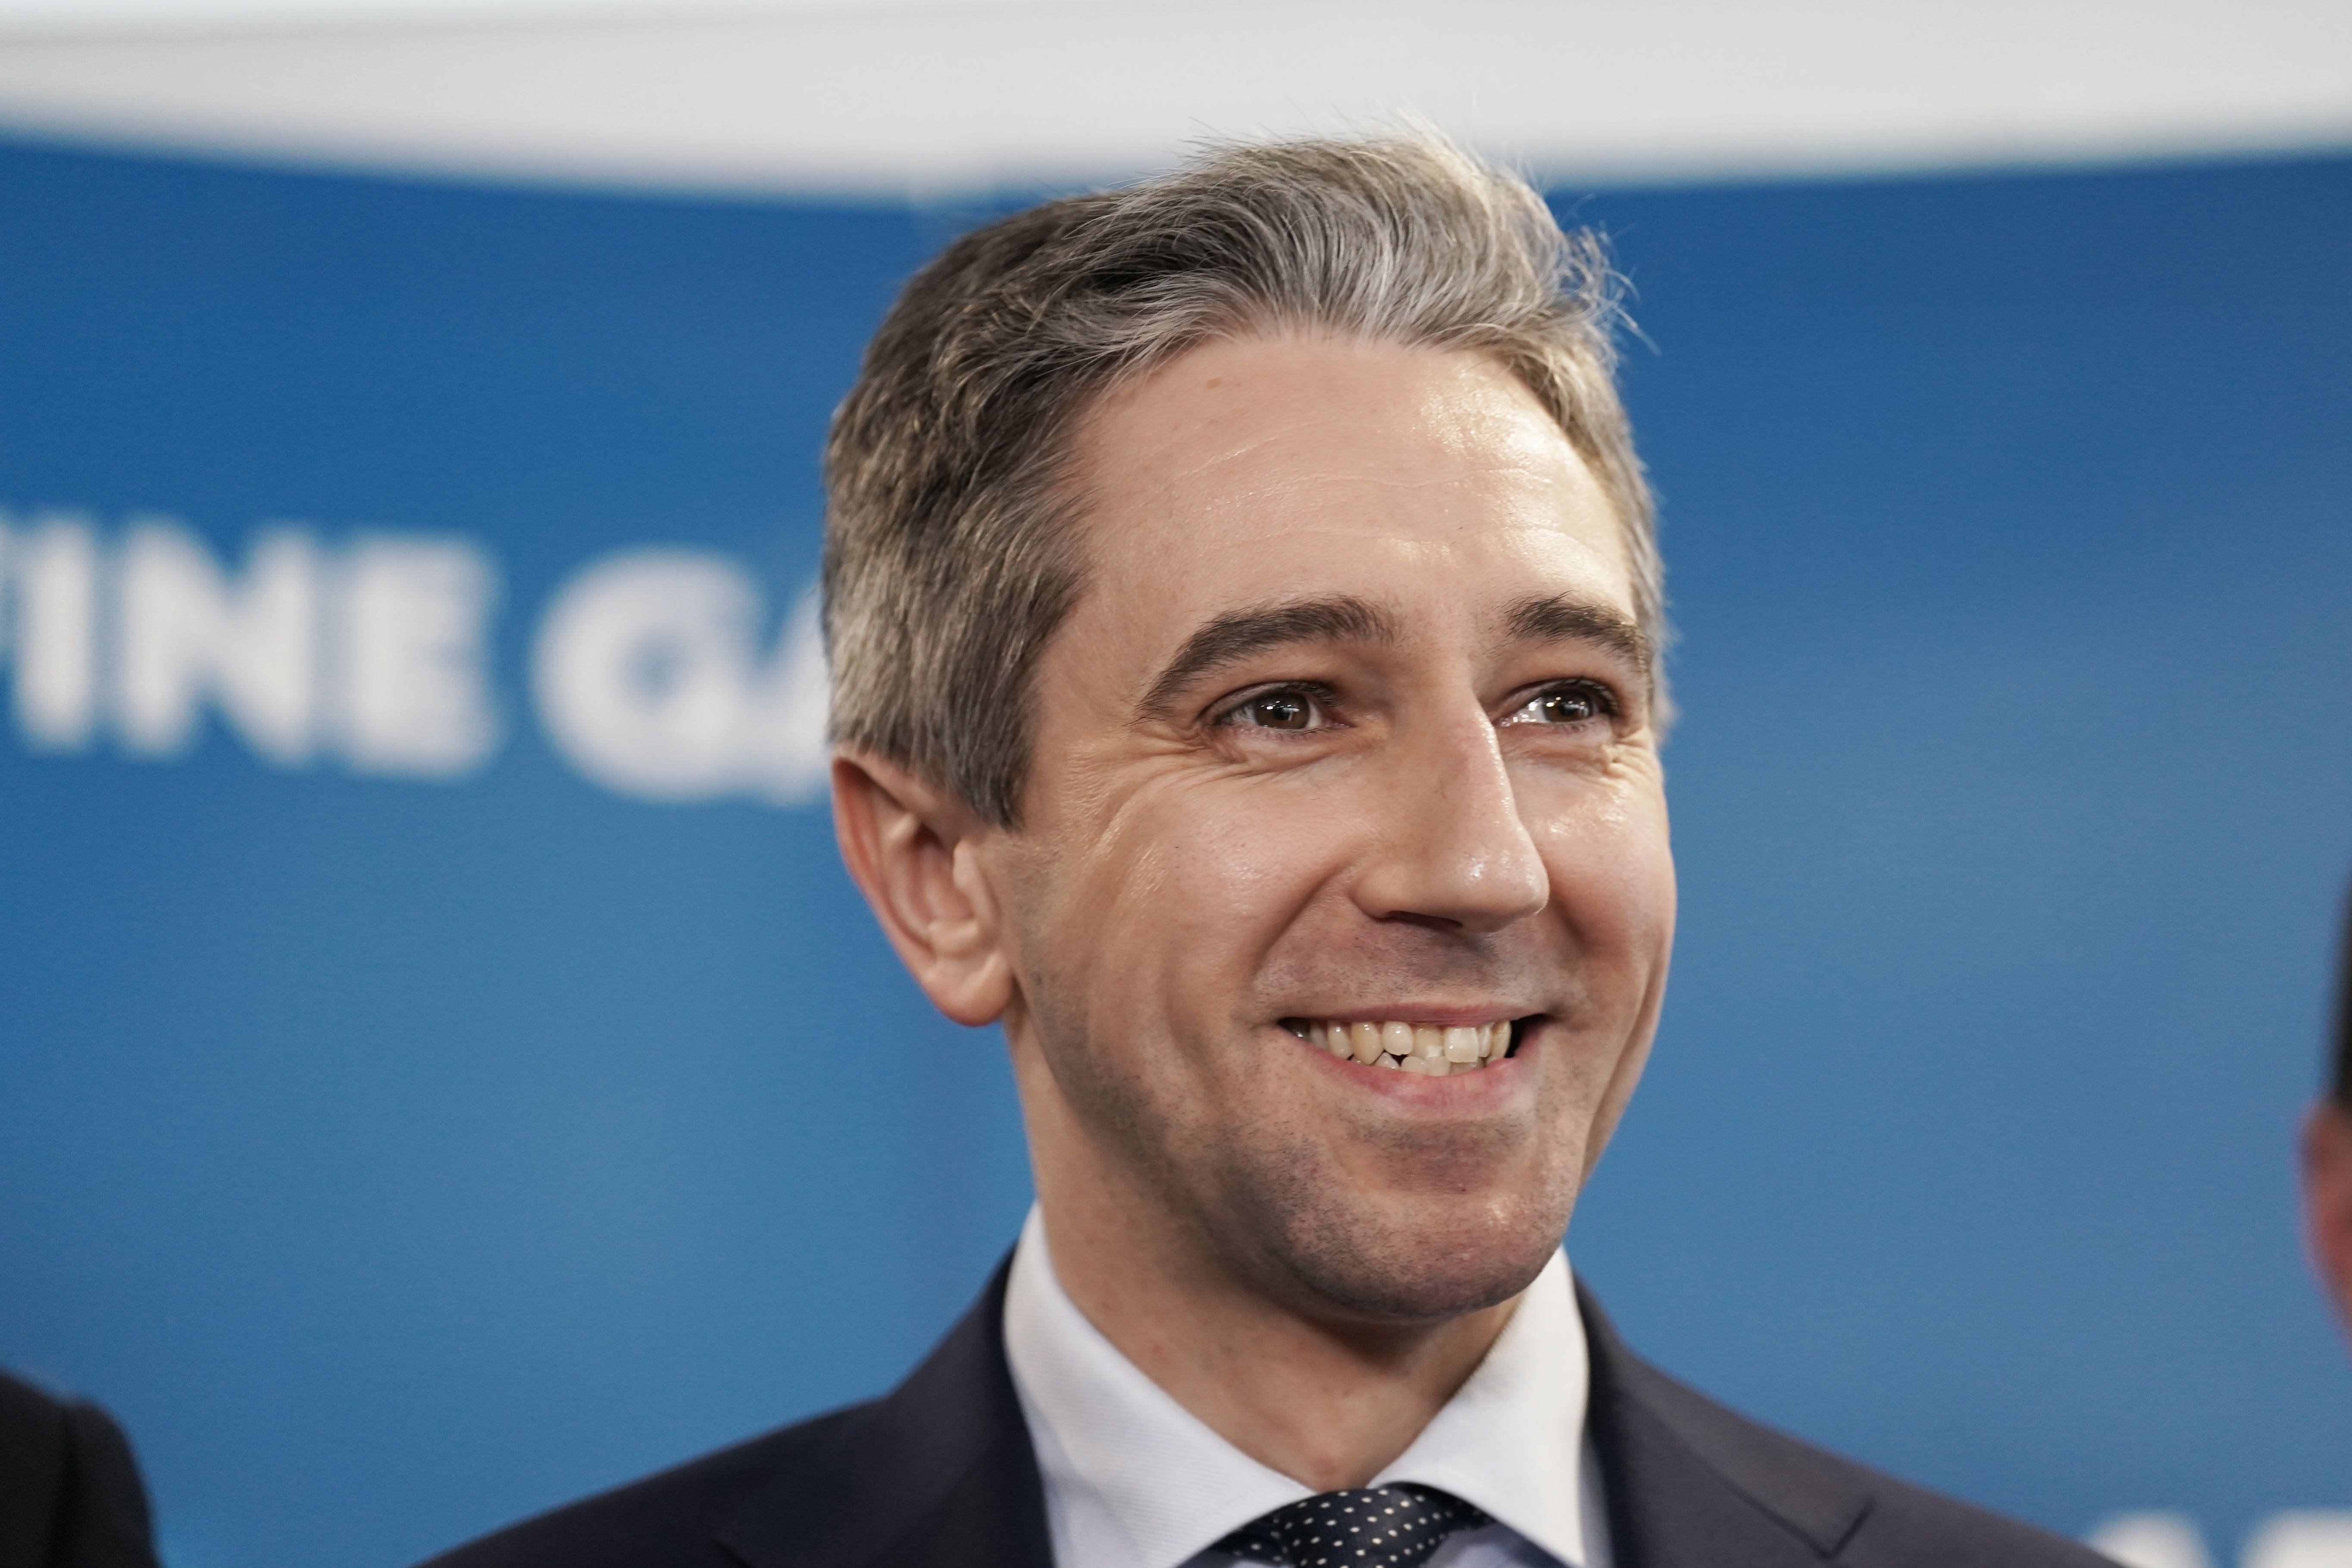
x,y
1422,1048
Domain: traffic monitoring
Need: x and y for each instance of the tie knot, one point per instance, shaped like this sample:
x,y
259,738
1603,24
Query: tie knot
x,y
1370,1527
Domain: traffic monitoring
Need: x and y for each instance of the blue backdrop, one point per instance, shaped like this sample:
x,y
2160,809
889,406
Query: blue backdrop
x,y
456,1075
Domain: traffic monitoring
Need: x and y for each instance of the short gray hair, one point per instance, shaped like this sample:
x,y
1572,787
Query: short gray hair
x,y
950,554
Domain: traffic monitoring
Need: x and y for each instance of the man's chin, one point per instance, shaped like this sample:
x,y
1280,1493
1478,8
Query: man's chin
x,y
1420,1268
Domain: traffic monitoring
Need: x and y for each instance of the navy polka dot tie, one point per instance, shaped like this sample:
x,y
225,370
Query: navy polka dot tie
x,y
1376,1527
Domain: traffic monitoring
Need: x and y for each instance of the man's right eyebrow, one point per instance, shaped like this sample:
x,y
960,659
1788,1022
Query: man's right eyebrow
x,y
1238,635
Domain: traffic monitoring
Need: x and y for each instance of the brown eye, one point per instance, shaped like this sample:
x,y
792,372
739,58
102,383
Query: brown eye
x,y
1568,707
1580,702
1277,711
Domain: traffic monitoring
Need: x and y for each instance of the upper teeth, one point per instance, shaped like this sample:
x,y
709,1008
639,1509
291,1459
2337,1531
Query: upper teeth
x,y
1422,1048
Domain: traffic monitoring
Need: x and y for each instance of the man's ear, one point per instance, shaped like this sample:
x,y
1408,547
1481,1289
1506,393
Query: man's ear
x,y
913,850
2327,1200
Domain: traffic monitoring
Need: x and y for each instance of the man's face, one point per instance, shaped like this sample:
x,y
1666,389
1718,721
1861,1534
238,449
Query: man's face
x,y
2328,1199
1351,726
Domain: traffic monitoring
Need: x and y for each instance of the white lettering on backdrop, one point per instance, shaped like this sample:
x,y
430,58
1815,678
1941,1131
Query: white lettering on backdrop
x,y
2299,1538
414,653
53,629
185,633
651,680
649,669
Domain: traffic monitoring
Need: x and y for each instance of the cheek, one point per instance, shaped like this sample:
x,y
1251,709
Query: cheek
x,y
1612,872
1175,897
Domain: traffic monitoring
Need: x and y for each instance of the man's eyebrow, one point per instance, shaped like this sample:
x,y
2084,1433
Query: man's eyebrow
x,y
1239,634
1564,617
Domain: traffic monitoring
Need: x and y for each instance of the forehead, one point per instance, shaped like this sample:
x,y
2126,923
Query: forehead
x,y
1267,469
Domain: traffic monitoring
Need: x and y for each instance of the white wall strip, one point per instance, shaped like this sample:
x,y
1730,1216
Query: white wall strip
x,y
873,96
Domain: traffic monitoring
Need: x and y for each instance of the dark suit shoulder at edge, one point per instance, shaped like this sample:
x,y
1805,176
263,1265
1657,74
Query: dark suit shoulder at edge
x,y
31,1423
1886,1520
648,1519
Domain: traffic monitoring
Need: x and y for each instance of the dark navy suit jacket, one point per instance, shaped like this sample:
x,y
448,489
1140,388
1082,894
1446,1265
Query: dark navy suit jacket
x,y
941,1474
70,1495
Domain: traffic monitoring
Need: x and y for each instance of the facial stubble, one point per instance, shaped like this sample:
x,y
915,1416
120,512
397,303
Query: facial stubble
x,y
1332,1209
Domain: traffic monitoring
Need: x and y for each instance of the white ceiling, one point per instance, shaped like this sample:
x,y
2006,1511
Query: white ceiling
x,y
892,96
117,17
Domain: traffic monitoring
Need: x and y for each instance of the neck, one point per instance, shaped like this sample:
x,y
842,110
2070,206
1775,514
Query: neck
x,y
1324,1400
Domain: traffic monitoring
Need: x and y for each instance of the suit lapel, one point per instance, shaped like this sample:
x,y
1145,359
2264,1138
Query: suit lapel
x,y
1690,1485
940,1473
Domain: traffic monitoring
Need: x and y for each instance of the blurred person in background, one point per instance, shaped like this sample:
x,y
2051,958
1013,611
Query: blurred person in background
x,y
70,1495
2327,1151
1243,617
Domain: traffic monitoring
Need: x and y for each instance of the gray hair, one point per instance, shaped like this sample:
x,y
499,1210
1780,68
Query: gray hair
x,y
952,553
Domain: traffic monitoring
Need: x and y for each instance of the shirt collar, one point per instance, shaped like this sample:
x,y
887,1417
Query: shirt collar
x,y
1133,1478
1511,1439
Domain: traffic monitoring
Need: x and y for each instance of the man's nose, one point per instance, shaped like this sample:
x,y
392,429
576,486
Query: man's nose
x,y
1453,851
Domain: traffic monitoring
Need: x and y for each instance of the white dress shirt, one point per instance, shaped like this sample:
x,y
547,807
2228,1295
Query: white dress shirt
x,y
1135,1480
